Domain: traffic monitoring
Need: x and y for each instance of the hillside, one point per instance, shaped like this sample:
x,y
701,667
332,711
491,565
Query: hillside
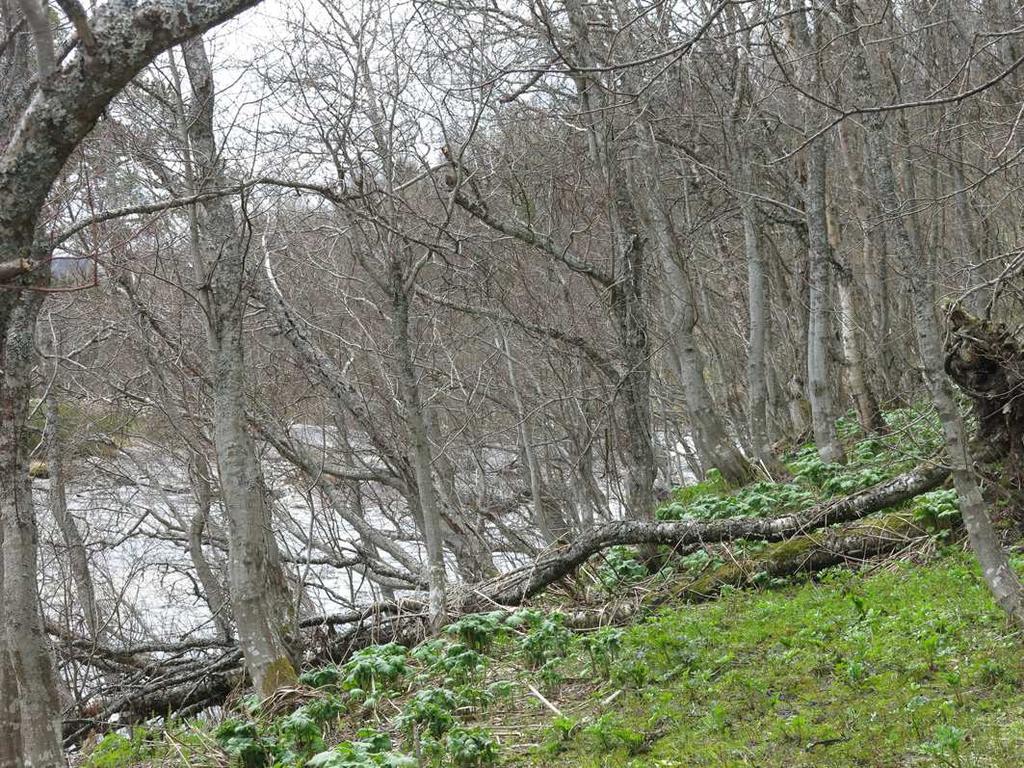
x,y
901,659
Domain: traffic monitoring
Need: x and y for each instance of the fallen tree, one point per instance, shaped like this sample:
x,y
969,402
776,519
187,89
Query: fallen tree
x,y
813,539
513,588
861,541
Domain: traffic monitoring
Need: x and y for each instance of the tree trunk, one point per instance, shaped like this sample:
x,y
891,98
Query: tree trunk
x,y
999,575
419,439
869,416
78,559
757,383
713,443
260,599
551,530
27,646
819,388
10,709
560,563
216,599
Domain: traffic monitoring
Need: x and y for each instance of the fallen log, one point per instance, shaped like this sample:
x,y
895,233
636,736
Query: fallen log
x,y
852,543
856,542
512,589
403,621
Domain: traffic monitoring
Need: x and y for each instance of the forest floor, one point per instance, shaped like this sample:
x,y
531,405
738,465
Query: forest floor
x,y
904,661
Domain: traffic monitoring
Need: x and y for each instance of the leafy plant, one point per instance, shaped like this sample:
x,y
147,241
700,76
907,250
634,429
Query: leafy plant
x,y
322,678
608,734
546,639
479,631
603,648
471,747
621,569
457,662
375,666
116,750
299,736
371,749
242,741
947,745
937,510
430,708
846,482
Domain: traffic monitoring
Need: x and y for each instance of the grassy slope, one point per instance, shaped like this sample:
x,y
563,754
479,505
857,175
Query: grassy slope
x,y
910,664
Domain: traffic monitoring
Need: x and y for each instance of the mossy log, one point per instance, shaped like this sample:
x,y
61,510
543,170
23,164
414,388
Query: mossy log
x,y
856,542
859,541
512,589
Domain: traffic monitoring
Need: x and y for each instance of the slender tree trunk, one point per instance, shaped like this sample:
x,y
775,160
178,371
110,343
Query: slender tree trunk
x,y
216,598
757,383
459,531
10,709
551,530
869,416
420,441
823,416
1000,577
260,599
717,449
78,559
626,293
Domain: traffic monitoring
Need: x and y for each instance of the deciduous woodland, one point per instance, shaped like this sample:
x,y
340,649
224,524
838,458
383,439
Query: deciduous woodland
x,y
367,365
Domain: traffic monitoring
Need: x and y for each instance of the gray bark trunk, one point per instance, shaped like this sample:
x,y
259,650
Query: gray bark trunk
x,y
260,599
819,388
215,595
10,709
626,292
819,391
711,438
1000,577
78,559
419,439
551,529
27,646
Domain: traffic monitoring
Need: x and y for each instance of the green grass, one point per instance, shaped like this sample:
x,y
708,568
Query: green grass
x,y
909,666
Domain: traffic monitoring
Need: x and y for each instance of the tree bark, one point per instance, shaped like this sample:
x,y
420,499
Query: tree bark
x,y
823,415
869,416
216,599
27,646
711,438
419,439
260,599
1000,577
10,710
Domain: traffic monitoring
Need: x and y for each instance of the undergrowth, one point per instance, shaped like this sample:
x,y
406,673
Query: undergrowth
x,y
907,664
